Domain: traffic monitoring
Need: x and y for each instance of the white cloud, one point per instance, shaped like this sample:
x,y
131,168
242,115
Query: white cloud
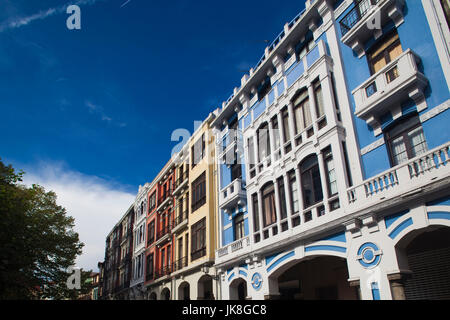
x,y
96,204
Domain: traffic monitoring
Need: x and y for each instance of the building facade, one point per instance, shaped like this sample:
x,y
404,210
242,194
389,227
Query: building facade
x,y
345,157
325,175
139,236
182,223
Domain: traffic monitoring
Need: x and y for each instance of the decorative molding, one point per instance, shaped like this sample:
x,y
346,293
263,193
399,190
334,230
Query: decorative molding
x,y
343,6
372,146
435,111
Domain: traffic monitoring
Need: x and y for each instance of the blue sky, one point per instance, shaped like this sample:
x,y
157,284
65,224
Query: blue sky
x,y
100,104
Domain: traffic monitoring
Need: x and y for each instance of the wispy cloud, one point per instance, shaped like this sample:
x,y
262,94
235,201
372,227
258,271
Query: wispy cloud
x,y
17,22
95,203
125,3
98,109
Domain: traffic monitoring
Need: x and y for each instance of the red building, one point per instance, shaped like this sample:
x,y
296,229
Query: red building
x,y
160,220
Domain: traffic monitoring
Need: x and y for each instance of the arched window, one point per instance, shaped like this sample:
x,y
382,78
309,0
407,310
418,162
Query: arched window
x,y
310,178
268,199
263,142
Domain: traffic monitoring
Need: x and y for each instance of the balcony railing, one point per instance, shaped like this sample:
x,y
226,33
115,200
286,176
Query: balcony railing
x,y
163,232
234,247
164,271
403,178
180,218
355,15
181,180
391,85
166,195
180,264
231,194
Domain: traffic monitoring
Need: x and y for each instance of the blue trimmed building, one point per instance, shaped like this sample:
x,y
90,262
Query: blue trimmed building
x,y
333,158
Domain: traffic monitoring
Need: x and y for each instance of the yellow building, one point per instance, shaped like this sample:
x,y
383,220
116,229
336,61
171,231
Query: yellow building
x,y
196,236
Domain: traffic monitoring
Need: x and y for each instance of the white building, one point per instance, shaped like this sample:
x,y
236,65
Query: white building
x,y
139,238
343,125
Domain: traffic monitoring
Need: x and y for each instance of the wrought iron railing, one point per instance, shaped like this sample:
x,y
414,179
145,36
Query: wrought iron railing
x,y
355,15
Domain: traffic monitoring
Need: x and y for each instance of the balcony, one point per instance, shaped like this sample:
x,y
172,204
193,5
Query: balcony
x,y
164,271
163,235
181,182
180,221
235,248
180,264
366,19
165,199
389,87
315,62
231,194
404,179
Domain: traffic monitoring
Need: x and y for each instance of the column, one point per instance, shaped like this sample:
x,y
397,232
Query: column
x,y
288,200
272,141
323,180
301,204
277,205
397,283
291,123
328,99
312,107
260,211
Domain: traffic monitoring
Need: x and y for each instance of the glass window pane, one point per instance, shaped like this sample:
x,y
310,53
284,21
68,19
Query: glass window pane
x,y
418,143
399,153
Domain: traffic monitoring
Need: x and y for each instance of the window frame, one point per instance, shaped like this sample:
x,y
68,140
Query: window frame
x,y
199,193
385,52
404,134
198,239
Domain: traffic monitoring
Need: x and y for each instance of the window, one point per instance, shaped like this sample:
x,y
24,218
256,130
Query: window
x,y
269,210
251,152
276,132
199,192
198,239
318,97
383,53
151,232
295,207
302,112
236,170
263,142
282,194
239,228
311,184
264,88
180,248
303,50
169,255
285,117
255,212
406,140
163,258
331,172
198,151
149,269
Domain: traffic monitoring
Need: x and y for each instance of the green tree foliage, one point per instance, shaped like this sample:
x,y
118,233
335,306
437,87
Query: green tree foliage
x,y
37,242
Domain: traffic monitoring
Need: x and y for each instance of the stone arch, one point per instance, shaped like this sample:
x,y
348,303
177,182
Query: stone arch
x,y
184,291
165,294
238,289
205,288
423,255
153,296
318,276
